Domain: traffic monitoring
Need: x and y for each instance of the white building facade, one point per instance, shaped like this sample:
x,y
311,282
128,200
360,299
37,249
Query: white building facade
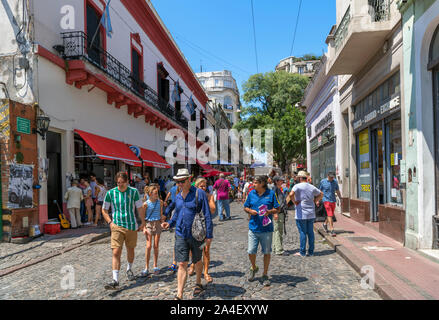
x,y
221,89
103,97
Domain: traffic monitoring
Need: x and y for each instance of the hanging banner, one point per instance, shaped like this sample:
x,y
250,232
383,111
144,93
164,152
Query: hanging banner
x,y
20,186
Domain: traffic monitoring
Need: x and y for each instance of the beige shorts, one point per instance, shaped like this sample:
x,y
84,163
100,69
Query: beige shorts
x,y
154,228
119,235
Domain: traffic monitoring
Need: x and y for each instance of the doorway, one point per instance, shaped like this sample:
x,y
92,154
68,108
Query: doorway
x,y
378,194
54,180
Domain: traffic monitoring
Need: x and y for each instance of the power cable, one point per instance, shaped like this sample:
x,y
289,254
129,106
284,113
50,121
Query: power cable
x,y
295,29
254,36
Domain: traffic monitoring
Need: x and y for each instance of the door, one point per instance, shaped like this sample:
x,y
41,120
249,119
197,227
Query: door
x,y
378,193
54,180
93,23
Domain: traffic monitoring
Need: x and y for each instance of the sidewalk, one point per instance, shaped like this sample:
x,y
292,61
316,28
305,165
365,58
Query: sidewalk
x,y
400,273
14,257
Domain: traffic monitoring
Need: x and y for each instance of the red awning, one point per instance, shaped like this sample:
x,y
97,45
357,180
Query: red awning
x,y
152,159
206,167
108,149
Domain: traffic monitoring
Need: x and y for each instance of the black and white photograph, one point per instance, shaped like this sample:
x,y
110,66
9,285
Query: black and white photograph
x,y
20,186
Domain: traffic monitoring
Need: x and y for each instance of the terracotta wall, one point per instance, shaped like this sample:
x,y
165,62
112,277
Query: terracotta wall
x,y
360,210
392,222
13,218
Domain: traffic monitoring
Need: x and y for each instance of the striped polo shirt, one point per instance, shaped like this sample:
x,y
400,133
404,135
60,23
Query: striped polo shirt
x,y
123,204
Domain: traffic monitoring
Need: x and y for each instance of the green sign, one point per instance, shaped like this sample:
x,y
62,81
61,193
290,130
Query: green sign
x,y
23,125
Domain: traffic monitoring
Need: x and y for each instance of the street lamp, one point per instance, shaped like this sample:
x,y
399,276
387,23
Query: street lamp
x,y
42,126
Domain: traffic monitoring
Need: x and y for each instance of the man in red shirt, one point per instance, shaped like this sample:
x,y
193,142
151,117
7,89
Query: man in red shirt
x,y
222,186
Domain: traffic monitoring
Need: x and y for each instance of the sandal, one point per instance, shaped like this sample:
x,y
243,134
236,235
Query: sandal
x,y
208,278
199,288
173,268
177,298
156,271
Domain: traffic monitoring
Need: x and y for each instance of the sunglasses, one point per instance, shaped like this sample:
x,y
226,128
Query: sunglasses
x,y
182,181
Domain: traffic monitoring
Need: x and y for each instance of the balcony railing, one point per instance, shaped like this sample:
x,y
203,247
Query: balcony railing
x,y
342,29
378,10
77,46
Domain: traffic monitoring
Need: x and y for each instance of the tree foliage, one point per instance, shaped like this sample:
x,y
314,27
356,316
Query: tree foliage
x,y
269,99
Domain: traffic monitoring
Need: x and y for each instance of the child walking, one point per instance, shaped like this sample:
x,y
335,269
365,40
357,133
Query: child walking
x,y
154,218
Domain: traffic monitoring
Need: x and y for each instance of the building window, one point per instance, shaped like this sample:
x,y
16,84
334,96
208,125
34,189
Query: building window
x,y
228,102
363,165
217,83
230,116
163,85
92,21
394,157
137,62
228,84
301,69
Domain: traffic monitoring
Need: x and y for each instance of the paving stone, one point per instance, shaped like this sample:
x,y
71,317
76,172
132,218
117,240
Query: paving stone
x,y
326,276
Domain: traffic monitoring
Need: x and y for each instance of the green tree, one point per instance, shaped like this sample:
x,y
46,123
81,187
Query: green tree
x,y
270,98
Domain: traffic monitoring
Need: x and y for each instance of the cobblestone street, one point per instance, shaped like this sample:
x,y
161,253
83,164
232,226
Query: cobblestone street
x,y
324,276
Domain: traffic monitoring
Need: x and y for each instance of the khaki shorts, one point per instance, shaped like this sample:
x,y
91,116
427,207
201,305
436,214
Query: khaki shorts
x,y
119,235
154,228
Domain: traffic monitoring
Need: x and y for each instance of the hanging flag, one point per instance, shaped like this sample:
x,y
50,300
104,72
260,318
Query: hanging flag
x,y
190,106
175,93
106,20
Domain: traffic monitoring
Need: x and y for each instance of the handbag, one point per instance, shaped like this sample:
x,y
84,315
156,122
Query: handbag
x,y
199,231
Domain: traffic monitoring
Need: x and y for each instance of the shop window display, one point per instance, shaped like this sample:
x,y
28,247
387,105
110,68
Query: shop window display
x,y
394,157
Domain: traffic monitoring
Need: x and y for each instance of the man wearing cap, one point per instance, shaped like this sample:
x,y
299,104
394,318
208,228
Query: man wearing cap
x,y
279,223
183,218
305,195
139,184
329,187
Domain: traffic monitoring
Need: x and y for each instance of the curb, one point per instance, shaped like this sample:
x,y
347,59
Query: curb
x,y
86,239
384,289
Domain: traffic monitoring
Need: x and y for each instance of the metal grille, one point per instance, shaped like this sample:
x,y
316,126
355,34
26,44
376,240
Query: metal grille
x,y
342,29
77,46
379,10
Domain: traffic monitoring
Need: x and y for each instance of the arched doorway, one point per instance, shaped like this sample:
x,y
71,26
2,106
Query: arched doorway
x,y
433,66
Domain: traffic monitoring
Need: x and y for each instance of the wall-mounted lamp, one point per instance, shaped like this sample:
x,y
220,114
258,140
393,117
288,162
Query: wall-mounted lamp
x,y
42,126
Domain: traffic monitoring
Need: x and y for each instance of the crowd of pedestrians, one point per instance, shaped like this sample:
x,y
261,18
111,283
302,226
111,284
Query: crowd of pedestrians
x,y
189,205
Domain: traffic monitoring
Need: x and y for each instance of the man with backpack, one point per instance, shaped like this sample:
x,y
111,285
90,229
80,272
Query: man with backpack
x,y
192,228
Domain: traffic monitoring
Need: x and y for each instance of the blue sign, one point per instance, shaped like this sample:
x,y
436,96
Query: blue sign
x,y
136,151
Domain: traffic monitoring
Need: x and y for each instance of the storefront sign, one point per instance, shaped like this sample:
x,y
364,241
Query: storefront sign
x,y
20,193
136,151
323,123
23,125
377,114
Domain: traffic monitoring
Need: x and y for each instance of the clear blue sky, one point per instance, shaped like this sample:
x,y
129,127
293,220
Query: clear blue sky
x,y
224,29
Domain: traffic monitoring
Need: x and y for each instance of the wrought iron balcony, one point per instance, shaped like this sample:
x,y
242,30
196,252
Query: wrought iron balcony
x,y
77,47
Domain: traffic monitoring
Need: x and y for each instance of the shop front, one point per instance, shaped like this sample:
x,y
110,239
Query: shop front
x,y
323,155
379,157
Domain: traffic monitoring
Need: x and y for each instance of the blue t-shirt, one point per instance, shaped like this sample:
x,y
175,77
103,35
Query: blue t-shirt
x,y
173,191
254,201
328,188
305,193
153,210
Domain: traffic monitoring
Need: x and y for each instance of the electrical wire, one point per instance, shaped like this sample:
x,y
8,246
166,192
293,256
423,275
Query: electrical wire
x,y
295,29
254,36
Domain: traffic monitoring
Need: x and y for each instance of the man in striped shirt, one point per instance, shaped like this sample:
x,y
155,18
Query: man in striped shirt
x,y
123,199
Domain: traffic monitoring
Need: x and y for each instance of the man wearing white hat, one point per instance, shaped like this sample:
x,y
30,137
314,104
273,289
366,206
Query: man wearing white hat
x,y
305,195
183,218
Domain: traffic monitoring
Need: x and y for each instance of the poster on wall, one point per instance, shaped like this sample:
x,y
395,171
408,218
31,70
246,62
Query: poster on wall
x,y
4,120
364,173
20,193
43,169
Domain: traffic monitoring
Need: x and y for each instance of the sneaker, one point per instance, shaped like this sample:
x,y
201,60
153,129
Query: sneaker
x,y
265,281
144,273
130,275
325,226
173,268
252,273
333,233
112,285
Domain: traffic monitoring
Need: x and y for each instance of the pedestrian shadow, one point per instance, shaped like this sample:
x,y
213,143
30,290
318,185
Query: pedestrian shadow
x,y
223,274
343,232
215,263
289,280
324,253
220,291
